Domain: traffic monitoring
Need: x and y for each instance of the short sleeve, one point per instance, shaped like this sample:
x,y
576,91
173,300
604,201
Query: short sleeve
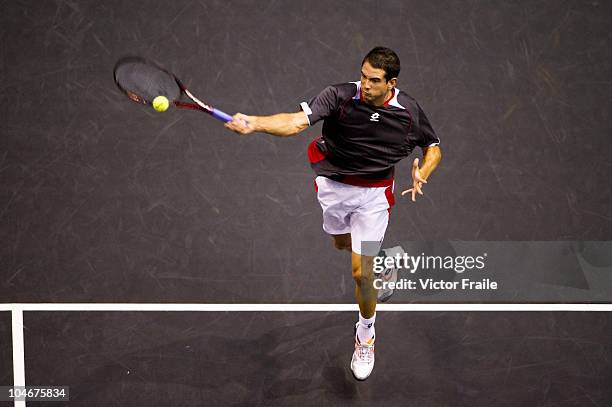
x,y
322,105
427,137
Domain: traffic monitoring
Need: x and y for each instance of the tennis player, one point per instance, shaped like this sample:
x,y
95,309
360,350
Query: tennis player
x,y
368,126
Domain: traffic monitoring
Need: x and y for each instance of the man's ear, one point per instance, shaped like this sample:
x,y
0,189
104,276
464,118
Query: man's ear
x,y
392,82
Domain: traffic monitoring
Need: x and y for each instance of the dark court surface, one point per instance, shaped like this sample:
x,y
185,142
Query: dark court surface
x,y
429,359
6,353
102,200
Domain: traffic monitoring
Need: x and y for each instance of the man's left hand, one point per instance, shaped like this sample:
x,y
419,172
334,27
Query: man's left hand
x,y
417,181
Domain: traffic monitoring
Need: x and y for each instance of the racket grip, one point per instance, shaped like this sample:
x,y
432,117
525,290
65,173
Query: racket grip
x,y
219,115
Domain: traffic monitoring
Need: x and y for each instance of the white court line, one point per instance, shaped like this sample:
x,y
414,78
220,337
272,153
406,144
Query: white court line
x,y
18,309
300,307
18,351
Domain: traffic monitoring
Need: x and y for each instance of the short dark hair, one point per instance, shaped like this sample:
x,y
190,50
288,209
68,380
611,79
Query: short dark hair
x,y
384,58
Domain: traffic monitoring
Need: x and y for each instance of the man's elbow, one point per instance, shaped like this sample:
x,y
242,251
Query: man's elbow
x,y
297,126
300,122
434,153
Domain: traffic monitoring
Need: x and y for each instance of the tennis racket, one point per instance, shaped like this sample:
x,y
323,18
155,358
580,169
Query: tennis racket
x,y
142,81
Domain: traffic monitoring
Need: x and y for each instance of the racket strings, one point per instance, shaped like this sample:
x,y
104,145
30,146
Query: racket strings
x,y
141,80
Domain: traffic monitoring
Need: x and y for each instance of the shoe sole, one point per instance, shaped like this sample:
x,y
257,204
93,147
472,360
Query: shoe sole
x,y
388,293
385,297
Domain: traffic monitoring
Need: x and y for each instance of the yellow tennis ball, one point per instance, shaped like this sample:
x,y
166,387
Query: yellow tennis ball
x,y
161,103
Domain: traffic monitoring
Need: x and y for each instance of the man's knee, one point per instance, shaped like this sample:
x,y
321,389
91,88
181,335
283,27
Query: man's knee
x,y
362,268
342,242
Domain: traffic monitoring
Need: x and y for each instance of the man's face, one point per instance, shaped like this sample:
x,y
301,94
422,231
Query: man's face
x,y
374,87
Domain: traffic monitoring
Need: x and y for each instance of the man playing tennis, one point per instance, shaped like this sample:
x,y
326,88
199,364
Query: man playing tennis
x,y
368,126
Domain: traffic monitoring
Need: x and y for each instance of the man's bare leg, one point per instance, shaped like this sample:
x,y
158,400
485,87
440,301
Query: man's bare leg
x,y
363,274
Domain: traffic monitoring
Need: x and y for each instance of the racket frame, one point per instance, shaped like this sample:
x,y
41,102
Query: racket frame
x,y
197,105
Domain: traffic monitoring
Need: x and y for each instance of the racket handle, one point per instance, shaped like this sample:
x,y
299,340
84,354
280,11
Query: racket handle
x,y
219,115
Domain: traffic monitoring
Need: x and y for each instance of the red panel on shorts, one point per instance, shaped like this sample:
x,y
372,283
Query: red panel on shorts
x,y
314,154
390,197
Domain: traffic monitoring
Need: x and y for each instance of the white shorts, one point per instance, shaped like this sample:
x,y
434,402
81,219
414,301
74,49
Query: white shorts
x,y
361,211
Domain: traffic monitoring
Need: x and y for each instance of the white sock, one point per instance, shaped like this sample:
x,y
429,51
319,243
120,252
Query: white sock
x,y
365,328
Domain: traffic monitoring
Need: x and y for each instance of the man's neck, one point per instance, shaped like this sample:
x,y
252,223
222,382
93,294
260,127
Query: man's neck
x,y
381,102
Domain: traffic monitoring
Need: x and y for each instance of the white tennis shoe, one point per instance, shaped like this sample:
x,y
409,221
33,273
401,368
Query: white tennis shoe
x,y
362,362
388,274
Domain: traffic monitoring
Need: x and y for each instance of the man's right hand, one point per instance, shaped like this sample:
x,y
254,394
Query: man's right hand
x,y
280,124
241,123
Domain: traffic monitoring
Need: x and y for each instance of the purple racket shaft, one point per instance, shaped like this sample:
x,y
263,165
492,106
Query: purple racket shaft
x,y
199,105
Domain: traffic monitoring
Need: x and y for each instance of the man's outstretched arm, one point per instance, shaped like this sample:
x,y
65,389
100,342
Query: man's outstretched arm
x,y
281,124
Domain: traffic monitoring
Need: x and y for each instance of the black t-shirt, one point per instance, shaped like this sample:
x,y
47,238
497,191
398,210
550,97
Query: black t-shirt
x,y
359,140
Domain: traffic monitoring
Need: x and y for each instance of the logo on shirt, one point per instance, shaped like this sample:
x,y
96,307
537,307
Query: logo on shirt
x,y
374,117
